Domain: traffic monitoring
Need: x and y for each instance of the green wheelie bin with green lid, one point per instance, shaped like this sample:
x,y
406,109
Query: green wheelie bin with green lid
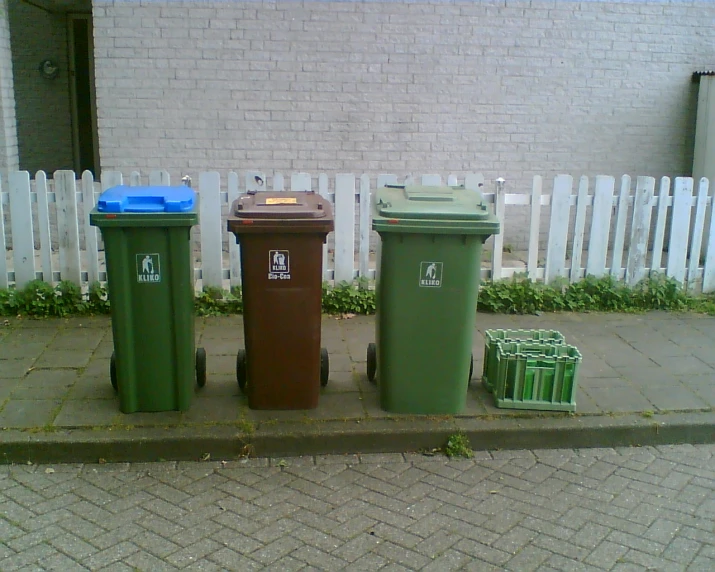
x,y
147,246
428,268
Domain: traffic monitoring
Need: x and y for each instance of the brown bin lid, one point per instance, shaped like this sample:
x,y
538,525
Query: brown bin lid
x,y
281,205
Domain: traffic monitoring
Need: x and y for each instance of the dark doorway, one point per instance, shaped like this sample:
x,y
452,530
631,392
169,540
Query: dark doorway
x,y
84,110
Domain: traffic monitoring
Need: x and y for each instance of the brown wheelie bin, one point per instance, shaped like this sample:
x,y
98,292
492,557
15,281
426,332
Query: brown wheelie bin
x,y
281,236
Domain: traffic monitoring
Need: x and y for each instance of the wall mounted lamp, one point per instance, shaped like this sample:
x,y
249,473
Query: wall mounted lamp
x,y
49,69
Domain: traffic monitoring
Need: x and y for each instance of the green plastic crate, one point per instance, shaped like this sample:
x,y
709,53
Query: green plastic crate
x,y
492,338
536,375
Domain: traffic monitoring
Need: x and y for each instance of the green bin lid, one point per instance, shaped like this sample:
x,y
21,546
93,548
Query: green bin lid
x,y
436,209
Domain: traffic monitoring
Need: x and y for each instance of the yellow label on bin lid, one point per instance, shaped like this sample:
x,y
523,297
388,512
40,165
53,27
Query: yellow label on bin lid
x,y
281,201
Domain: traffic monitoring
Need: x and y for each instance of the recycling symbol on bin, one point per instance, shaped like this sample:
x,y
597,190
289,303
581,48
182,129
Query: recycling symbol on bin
x,y
430,274
278,265
148,268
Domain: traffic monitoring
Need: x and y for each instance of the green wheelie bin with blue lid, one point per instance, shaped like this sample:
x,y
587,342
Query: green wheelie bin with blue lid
x,y
428,267
150,276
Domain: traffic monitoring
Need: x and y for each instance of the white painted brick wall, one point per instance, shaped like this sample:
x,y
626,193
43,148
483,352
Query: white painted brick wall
x,y
44,125
8,132
508,88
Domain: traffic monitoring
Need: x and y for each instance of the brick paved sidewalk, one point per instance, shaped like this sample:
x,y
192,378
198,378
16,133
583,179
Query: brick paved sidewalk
x,y
649,370
624,509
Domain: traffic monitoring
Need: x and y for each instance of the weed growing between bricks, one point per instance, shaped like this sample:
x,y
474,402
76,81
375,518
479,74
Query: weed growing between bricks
x,y
516,295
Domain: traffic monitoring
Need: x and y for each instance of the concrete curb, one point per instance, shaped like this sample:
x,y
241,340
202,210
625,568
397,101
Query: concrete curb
x,y
349,437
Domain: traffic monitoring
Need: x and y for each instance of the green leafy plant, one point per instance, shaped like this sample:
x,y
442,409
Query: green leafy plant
x,y
216,302
521,295
9,302
98,299
346,298
516,295
458,446
36,299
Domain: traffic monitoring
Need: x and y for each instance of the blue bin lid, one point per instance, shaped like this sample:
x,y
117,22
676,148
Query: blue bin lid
x,y
126,199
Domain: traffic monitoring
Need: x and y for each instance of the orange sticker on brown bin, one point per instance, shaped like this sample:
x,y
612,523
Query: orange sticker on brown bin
x,y
282,201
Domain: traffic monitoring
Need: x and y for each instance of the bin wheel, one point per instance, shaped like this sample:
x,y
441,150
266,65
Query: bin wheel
x,y
241,370
371,362
324,367
113,372
471,368
200,367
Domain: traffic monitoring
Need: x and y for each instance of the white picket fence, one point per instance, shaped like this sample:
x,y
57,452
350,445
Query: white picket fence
x,y
630,233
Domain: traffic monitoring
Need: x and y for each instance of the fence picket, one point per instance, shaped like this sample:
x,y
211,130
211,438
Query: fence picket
x,y
498,242
234,249
90,232
640,229
534,227
23,242
364,248
111,179
679,228
600,226
558,234
621,219
344,227
431,180
474,181
301,182
211,229
67,226
3,261
255,181
159,179
383,180
278,183
709,265
325,193
698,228
43,226
579,228
660,222
135,179
82,266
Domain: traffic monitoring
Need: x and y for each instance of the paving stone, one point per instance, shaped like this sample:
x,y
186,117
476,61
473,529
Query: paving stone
x,y
29,412
145,561
704,390
275,550
64,358
20,349
689,365
682,550
88,413
622,400
367,563
651,562
114,553
403,556
674,397
156,545
10,368
317,558
192,553
606,554
45,384
528,559
62,563
213,409
75,339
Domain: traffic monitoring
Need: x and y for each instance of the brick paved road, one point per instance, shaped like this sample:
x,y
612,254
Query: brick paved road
x,y
599,509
